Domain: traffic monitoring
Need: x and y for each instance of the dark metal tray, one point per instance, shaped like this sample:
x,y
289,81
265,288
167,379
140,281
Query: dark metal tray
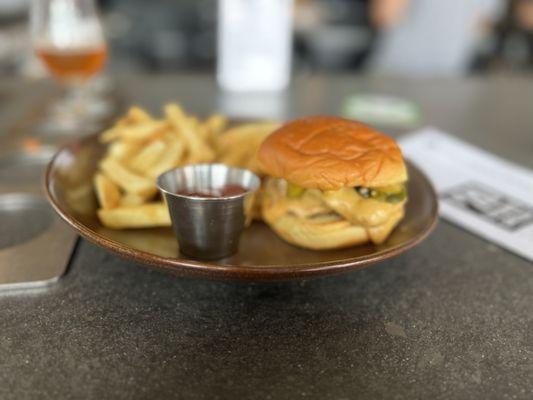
x,y
35,245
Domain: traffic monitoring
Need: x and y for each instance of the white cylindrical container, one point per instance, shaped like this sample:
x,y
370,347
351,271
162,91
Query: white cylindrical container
x,y
254,44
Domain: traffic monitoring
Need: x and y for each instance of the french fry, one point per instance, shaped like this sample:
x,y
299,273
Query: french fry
x,y
213,126
107,192
132,199
122,150
143,130
198,127
148,156
198,150
140,131
170,158
238,146
143,216
127,180
110,134
133,116
136,115
246,134
194,123
238,157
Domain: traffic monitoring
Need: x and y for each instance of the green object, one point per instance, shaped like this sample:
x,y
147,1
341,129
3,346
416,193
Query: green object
x,y
391,194
382,110
397,197
294,190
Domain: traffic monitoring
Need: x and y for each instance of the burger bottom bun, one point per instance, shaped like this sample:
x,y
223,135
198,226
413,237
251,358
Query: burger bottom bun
x,y
378,234
328,232
317,235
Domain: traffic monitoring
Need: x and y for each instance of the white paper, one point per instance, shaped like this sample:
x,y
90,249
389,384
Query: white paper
x,y
478,191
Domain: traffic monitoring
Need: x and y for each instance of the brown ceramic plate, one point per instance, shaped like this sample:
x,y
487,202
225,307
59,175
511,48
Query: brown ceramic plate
x,y
262,255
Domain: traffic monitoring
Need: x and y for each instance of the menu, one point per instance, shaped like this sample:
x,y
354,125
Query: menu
x,y
477,190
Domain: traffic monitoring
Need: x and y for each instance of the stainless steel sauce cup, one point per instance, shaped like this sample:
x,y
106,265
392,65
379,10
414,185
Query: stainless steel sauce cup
x,y
207,228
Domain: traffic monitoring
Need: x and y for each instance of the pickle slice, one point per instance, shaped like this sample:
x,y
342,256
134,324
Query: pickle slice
x,y
390,194
397,197
390,189
294,190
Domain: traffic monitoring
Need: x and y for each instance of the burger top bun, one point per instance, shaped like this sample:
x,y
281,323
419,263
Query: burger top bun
x,y
329,153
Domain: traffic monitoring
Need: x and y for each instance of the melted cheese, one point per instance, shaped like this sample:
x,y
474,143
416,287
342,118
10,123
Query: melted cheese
x,y
358,210
309,204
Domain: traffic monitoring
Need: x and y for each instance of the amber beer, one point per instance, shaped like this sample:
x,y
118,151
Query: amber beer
x,y
73,63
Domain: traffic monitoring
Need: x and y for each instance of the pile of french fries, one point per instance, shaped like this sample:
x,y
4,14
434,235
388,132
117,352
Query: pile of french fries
x,y
141,147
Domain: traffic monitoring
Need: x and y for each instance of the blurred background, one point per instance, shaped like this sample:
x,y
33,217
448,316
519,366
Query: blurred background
x,y
407,37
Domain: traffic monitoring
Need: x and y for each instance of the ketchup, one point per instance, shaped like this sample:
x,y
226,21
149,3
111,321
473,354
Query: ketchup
x,y
224,191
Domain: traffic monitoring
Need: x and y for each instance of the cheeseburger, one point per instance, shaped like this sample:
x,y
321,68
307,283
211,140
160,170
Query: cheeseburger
x,y
332,183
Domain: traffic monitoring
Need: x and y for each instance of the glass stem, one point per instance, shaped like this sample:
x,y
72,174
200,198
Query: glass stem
x,y
77,93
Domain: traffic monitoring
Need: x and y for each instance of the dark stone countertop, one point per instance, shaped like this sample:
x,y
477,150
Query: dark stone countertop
x,y
450,319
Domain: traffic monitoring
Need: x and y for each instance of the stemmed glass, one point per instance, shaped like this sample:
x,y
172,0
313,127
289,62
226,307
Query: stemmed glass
x,y
67,36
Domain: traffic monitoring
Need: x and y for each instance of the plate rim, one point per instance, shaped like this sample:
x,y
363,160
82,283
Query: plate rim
x,y
208,269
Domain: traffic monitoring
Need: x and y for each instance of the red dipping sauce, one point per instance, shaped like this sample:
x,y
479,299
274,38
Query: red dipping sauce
x,y
224,191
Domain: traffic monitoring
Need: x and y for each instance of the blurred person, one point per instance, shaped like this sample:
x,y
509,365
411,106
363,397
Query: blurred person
x,y
386,13
333,34
430,37
513,39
